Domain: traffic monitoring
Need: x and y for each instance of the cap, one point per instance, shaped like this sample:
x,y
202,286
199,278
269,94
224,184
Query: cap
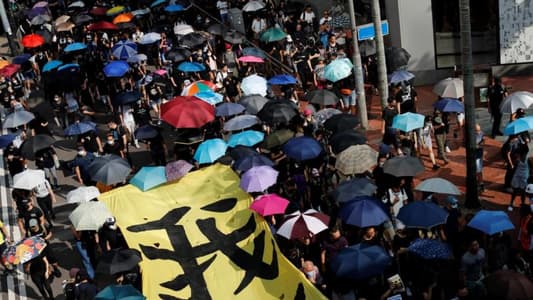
x,y
33,222
228,46
529,189
438,120
452,201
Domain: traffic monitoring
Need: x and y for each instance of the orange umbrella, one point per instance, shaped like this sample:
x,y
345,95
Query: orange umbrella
x,y
195,88
32,40
3,63
123,18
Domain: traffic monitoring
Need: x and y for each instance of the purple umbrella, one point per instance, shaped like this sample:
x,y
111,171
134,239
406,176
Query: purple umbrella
x,y
177,169
258,179
36,11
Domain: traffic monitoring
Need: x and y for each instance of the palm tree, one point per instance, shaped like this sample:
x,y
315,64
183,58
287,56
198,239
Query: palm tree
x,y
380,52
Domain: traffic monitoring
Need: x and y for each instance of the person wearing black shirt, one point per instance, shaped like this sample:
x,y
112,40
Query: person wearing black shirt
x,y
39,272
92,143
389,133
496,94
407,97
141,113
26,213
158,150
112,147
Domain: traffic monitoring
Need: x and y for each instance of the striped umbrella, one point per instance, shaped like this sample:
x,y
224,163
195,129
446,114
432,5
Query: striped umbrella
x,y
124,49
299,225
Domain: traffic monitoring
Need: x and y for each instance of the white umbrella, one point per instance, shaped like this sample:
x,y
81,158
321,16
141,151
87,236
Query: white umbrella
x,y
28,179
298,225
449,88
82,194
254,84
183,29
439,186
253,5
77,4
516,100
137,58
18,118
150,38
89,215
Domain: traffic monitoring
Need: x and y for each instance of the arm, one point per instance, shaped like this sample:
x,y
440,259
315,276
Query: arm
x,y
78,174
20,223
52,194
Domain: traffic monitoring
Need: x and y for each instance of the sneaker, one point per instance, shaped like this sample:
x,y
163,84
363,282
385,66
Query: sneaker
x,y
435,167
57,272
448,149
510,208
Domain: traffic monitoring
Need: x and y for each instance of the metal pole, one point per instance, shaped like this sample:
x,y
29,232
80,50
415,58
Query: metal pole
x,y
358,66
380,51
7,28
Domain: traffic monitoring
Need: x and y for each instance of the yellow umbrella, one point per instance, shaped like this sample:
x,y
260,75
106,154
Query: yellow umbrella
x,y
67,26
115,10
61,20
123,18
3,63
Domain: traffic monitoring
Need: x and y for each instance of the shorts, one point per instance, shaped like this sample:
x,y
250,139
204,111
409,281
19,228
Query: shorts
x,y
350,100
479,165
29,75
460,117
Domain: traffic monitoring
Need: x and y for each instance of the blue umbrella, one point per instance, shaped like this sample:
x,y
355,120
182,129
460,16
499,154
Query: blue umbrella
x,y
6,139
449,105
360,261
246,138
240,122
430,249
124,49
518,126
174,8
191,67
338,69
19,60
363,213
491,222
80,128
302,148
210,97
157,3
247,162
75,47
400,76
113,292
69,67
229,109
252,51
116,68
421,214
282,79
210,150
408,121
124,98
146,132
149,177
49,66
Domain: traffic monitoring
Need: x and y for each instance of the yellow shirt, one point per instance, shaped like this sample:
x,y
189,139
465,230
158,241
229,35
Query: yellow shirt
x,y
2,237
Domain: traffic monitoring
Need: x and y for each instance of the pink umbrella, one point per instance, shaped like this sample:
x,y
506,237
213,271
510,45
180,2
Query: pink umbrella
x,y
40,4
251,59
177,169
269,204
298,225
160,72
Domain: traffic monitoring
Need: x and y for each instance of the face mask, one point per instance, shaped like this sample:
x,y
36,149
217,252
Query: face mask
x,y
310,274
110,142
81,153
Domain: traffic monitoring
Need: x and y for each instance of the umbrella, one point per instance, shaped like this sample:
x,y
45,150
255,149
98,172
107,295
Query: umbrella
x,y
253,103
508,284
241,152
363,213
273,34
72,67
118,261
216,29
322,97
210,150
396,58
183,29
102,25
278,111
76,4
240,122
67,26
341,122
82,19
229,109
80,128
6,140
360,261
491,222
191,67
192,40
251,59
518,126
515,101
246,138
356,159
36,143
141,12
254,84
299,225
401,166
400,76
302,148
149,177
9,70
115,10
123,18
258,179
40,19
269,204
187,112
439,186
157,3
176,55
421,214
40,4
21,59
282,79
177,169
247,162
32,40
109,169
430,249
24,251
408,121
128,97
124,49
449,105
340,141
75,47
62,19
3,62
210,97
146,132
116,68
28,179
195,88
116,292
150,38
37,11
278,138
137,58
253,51
174,8
253,5
324,114
83,194
449,88
89,216
350,189
338,69
234,37
18,118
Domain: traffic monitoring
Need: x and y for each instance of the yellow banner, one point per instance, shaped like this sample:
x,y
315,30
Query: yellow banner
x,y
200,241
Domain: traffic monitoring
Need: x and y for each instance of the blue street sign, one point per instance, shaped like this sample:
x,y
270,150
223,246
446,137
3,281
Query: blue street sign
x,y
366,32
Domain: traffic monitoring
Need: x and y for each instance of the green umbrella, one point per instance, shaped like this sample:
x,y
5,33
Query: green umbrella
x,y
113,292
277,138
273,34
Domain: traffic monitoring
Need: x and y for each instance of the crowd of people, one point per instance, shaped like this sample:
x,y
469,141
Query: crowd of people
x,y
83,93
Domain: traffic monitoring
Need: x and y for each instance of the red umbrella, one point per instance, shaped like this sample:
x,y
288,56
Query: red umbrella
x,y
298,225
187,112
32,40
9,70
102,25
98,11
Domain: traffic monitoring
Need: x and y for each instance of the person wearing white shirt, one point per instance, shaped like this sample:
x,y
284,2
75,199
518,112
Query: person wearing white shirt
x,y
326,18
222,6
308,16
258,25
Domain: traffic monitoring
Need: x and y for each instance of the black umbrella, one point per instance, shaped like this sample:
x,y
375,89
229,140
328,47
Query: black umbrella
x,y
146,132
357,187
118,260
341,122
47,36
234,37
216,29
109,169
396,58
178,55
248,162
277,112
192,40
402,166
242,151
124,98
277,138
82,19
344,139
322,97
36,143
126,25
253,103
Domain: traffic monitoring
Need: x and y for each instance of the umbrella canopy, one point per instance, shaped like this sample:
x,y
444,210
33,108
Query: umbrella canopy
x,y
449,88
253,103
173,8
400,76
408,121
210,97
216,29
420,214
401,166
396,58
117,68
24,250
36,143
82,19
40,19
83,194
76,5
124,49
277,111
67,26
282,79
323,115
338,69
430,249
258,179
363,213
195,88
254,85
6,140
302,148
246,138
299,225
253,51
360,261
188,66
253,5
251,59
192,40
21,59
234,37
340,141
241,152
350,189
109,169
116,292
146,132
32,40
149,177
123,18
137,58
247,162
229,109
18,118
28,179
322,97
508,284
210,150
118,261
273,34
89,216
278,138
269,204
515,101
80,128
128,97
439,186
102,26
115,10
176,169
40,4
341,122
518,126
187,112
183,29
356,160
491,222
53,64
9,70
240,122
150,38
449,105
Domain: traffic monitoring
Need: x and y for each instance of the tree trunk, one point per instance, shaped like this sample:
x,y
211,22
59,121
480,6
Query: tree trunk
x,y
472,199
380,52
358,70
